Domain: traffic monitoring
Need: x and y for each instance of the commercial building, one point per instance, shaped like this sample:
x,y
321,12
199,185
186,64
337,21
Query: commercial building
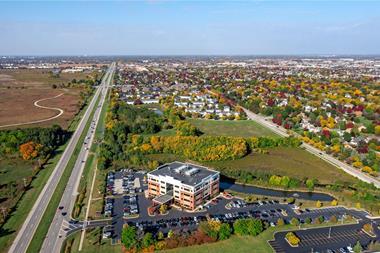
x,y
184,184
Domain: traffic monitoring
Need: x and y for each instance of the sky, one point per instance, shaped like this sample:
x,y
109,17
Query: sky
x,y
156,27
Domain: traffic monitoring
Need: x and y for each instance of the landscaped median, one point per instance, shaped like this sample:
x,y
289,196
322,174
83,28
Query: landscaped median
x,y
46,220
292,239
90,166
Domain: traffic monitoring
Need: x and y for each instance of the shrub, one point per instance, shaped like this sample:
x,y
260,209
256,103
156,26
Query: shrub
x,y
292,238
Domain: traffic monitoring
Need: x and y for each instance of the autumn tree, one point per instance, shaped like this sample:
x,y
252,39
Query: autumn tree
x,y
30,150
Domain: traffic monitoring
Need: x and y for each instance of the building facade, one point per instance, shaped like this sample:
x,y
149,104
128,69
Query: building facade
x,y
186,185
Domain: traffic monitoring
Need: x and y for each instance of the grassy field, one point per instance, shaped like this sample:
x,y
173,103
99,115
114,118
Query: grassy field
x,y
20,88
293,162
15,169
19,106
241,128
36,78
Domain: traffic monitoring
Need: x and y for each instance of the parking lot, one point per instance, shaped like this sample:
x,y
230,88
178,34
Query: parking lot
x,y
129,205
122,200
328,239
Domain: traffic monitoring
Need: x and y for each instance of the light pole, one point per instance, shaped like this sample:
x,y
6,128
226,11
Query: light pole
x,y
329,232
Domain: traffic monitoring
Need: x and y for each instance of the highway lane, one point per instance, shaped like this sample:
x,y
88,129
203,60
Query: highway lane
x,y
341,165
26,233
56,234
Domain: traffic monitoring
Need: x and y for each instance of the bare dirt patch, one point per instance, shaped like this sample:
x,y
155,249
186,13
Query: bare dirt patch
x,y
17,106
20,88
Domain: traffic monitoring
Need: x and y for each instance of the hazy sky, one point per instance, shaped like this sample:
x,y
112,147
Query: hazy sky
x,y
189,27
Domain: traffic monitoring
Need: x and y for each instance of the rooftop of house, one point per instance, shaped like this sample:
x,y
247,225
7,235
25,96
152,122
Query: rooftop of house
x,y
187,173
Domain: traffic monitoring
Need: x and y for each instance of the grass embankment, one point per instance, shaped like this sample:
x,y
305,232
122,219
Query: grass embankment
x,y
239,128
14,222
47,218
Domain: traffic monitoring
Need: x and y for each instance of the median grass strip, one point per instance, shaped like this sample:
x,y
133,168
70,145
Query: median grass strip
x,y
47,218
90,166
10,228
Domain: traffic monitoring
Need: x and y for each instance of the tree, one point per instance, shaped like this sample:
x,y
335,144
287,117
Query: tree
x,y
294,221
163,209
170,233
255,226
310,184
358,247
318,204
224,231
160,235
210,228
280,222
292,238
30,150
308,220
368,228
377,130
334,202
240,227
147,240
129,237
320,219
333,219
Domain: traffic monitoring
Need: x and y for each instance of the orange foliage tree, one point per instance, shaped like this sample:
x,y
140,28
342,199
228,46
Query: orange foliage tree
x,y
29,150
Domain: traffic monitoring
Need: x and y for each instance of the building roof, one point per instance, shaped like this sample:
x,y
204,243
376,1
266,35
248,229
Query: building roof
x,y
163,199
187,173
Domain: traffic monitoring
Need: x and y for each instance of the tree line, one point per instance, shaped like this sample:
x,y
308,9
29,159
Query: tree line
x,y
47,139
208,231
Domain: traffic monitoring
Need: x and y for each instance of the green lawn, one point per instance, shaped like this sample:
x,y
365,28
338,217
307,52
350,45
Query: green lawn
x,y
15,169
242,128
293,162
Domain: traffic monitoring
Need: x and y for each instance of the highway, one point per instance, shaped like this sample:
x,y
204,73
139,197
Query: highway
x,y
56,234
53,241
332,160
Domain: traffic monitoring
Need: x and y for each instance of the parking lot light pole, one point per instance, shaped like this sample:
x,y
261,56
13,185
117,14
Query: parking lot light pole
x,y
329,232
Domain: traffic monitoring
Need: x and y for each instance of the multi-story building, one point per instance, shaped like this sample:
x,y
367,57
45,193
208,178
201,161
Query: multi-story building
x,y
184,184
